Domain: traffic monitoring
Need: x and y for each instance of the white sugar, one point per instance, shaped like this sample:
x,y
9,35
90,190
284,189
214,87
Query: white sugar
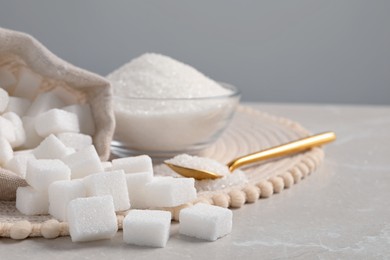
x,y
157,76
238,177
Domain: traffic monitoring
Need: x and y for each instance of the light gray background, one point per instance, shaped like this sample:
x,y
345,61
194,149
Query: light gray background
x,y
331,51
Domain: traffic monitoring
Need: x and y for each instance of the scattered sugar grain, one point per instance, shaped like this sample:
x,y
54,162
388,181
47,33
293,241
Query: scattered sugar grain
x,y
92,218
32,202
147,228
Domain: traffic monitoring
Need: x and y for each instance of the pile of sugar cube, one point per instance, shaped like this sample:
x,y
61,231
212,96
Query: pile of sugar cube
x,y
66,179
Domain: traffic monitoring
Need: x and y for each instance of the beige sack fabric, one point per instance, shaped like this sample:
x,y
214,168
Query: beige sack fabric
x,y
21,50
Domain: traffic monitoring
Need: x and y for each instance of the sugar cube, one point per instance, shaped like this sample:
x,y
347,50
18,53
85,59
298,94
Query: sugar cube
x,y
6,152
84,115
20,135
205,221
28,84
41,173
61,193
141,163
32,137
18,105
136,187
169,192
32,202
75,140
109,183
44,102
67,96
107,166
50,148
92,218
56,121
147,227
18,164
4,99
7,80
7,130
83,162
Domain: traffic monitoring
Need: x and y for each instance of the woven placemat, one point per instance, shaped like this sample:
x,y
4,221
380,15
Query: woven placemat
x,y
250,131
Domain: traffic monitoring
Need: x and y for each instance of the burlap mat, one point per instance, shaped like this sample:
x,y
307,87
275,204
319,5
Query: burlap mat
x,y
250,131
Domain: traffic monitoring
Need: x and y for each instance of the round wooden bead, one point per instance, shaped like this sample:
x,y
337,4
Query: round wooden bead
x,y
277,184
266,189
221,200
252,193
20,230
288,180
237,198
50,228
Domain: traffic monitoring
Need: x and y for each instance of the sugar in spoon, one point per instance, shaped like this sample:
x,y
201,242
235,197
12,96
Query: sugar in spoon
x,y
293,147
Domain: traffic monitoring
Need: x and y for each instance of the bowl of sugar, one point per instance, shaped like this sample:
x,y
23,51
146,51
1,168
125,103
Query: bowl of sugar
x,y
164,107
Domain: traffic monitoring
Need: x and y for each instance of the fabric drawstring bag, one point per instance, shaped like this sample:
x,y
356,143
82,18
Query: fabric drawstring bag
x,y
21,51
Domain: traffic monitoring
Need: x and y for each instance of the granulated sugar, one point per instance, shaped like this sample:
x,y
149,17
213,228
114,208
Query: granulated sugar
x,y
157,76
163,105
238,177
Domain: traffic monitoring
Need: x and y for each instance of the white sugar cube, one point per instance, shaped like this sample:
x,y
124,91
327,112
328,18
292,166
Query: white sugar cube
x,y
61,193
50,148
7,130
20,135
169,192
32,202
109,183
141,163
56,121
84,115
83,162
4,99
6,152
44,102
32,137
107,166
7,80
92,218
41,173
75,140
205,221
136,187
147,228
18,164
18,105
65,95
28,84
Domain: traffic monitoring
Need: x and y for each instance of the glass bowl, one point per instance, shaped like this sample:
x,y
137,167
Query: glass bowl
x,y
163,128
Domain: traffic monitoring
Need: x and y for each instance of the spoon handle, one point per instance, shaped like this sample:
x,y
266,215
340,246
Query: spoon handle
x,y
282,150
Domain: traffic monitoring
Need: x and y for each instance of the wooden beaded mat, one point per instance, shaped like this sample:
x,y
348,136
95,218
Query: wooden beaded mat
x,y
250,131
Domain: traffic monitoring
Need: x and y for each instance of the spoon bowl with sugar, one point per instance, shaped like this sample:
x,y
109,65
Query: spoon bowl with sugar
x,y
290,148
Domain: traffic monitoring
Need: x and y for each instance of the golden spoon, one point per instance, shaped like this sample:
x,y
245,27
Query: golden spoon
x,y
273,152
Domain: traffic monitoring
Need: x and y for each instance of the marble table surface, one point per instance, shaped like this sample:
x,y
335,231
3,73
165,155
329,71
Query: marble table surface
x,y
341,211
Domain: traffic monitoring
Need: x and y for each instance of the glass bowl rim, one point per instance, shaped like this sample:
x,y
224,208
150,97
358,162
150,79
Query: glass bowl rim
x,y
235,93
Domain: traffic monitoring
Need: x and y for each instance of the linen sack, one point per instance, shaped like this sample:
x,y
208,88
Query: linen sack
x,y
19,50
